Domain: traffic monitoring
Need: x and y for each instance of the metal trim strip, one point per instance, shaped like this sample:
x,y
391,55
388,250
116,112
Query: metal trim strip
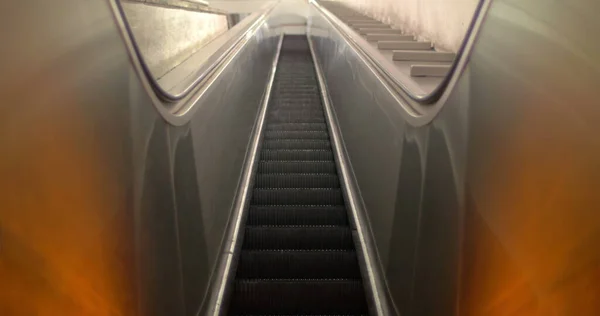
x,y
224,274
376,288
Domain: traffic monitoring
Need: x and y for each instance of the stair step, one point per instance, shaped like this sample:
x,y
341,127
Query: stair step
x,y
389,37
298,297
297,134
405,45
370,25
281,215
297,104
290,180
297,249
429,70
423,55
297,196
378,30
296,127
296,144
296,155
360,18
296,116
266,167
298,264
298,237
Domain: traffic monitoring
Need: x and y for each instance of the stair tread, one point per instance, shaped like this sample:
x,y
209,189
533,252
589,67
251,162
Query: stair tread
x,y
296,144
295,180
299,296
298,255
267,167
297,215
297,196
298,237
296,155
298,264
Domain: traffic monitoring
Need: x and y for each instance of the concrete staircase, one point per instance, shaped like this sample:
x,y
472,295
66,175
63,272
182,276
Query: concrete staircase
x,y
423,59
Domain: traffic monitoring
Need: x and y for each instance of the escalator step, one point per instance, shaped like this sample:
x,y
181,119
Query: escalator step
x,y
299,297
296,127
292,118
321,314
290,154
298,255
297,215
304,104
289,114
296,144
296,167
301,99
299,85
297,196
302,81
290,180
314,98
298,237
297,82
296,92
288,102
294,264
299,112
297,135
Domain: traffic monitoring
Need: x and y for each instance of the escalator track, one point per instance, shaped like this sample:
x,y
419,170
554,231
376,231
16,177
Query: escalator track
x,y
298,256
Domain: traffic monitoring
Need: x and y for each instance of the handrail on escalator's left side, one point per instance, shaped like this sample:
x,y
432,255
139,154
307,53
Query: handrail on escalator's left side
x,y
174,105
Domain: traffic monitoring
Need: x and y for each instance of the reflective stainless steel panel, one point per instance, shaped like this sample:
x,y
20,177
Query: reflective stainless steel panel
x,y
106,208
490,208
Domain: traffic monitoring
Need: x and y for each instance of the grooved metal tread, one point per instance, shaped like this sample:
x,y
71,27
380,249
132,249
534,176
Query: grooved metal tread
x,y
298,255
295,180
274,166
287,215
300,296
296,264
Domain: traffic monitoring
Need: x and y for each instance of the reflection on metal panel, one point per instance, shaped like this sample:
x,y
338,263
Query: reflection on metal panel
x,y
503,219
535,162
106,208
489,209
168,36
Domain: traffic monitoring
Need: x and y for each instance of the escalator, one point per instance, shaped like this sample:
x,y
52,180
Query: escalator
x,y
298,256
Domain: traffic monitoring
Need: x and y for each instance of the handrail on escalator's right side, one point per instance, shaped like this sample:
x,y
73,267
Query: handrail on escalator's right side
x,y
386,70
